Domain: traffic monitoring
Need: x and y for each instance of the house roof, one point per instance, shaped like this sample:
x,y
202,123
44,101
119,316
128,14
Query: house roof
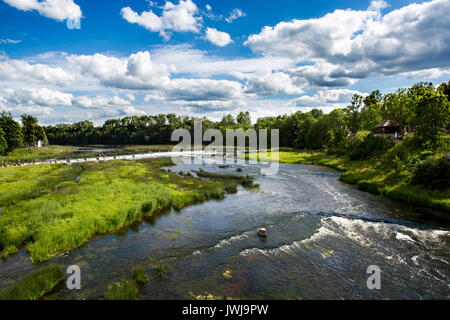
x,y
388,123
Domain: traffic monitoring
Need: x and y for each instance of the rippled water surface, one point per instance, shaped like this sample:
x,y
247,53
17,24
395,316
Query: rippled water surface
x,y
323,235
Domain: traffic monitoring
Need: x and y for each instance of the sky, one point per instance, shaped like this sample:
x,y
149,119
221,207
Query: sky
x,y
73,60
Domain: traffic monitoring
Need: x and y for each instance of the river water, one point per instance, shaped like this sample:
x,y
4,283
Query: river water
x,y
322,236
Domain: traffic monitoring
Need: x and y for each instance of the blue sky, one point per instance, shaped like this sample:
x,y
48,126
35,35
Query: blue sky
x,y
71,60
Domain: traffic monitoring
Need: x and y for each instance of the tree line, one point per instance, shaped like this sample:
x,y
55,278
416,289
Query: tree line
x,y
423,107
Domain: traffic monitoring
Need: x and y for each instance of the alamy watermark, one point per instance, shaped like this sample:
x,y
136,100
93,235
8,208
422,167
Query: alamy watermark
x,y
74,280
231,148
374,281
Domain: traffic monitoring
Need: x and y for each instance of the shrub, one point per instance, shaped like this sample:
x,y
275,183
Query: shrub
x,y
371,146
127,290
432,173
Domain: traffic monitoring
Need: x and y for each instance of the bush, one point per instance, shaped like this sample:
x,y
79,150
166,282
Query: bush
x,y
127,290
432,173
371,146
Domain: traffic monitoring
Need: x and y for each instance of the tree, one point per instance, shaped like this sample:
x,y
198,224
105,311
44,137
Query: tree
x,y
244,120
432,117
12,131
316,113
352,113
371,113
227,121
3,143
32,131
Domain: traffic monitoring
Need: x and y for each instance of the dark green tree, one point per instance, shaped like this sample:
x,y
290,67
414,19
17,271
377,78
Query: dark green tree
x,y
12,131
3,143
32,131
244,120
432,117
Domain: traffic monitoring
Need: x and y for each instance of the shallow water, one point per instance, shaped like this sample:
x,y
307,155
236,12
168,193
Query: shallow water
x,y
322,236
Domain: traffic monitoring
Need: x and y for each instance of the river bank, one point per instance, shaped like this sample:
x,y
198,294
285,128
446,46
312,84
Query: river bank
x,y
381,178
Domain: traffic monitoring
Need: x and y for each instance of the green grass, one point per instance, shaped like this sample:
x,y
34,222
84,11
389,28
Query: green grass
x,y
380,176
139,275
34,285
51,209
126,290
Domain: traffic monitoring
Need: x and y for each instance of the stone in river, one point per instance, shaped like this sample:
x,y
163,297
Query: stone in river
x,y
262,233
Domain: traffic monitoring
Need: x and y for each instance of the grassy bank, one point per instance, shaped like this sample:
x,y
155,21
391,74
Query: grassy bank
x,y
34,285
64,152
389,175
53,208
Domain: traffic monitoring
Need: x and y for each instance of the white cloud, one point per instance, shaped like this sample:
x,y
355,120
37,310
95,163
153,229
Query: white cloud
x,y
268,83
181,17
337,98
37,96
359,44
24,71
193,61
201,90
235,14
99,102
218,38
136,72
130,97
59,10
132,111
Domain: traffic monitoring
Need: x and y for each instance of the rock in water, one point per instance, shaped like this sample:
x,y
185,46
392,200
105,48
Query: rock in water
x,y
262,233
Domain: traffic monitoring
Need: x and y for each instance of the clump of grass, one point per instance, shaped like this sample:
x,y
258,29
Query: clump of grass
x,y
139,275
126,290
223,166
239,170
245,181
34,285
161,270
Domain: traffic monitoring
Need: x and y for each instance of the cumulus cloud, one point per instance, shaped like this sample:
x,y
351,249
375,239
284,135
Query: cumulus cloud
x,y
218,38
59,10
336,97
136,72
270,83
235,14
181,17
24,71
37,96
201,90
99,102
363,43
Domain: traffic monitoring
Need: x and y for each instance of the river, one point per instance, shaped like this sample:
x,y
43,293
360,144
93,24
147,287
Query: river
x,y
322,236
